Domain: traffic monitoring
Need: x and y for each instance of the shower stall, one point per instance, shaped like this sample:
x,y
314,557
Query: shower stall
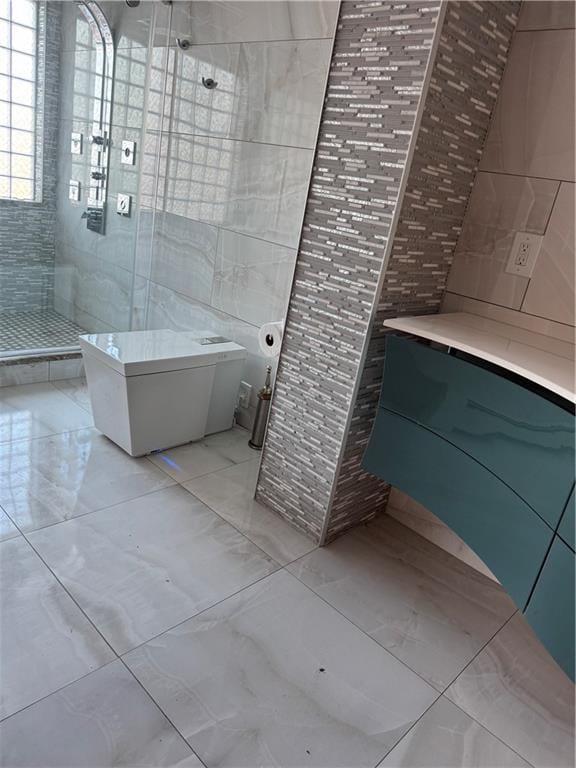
x,y
155,158
72,116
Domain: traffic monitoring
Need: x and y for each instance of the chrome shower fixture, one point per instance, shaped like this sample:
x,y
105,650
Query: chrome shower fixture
x,y
132,3
183,44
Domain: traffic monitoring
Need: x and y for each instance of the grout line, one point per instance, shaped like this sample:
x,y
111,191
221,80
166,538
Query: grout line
x,y
70,596
66,591
485,728
74,378
445,691
159,708
509,309
545,29
219,137
549,218
196,477
525,176
363,631
58,690
227,43
480,650
266,576
239,530
200,613
94,511
227,229
216,310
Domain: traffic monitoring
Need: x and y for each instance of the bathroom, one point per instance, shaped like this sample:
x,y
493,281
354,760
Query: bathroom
x,y
386,187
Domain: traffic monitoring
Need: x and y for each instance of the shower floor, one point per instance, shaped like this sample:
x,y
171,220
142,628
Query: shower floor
x,y
36,330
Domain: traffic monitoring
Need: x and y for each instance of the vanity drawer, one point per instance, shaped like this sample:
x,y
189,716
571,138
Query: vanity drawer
x,y
567,524
523,438
551,607
494,521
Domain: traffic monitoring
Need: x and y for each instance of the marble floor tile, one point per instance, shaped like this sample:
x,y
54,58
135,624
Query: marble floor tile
x,y
77,390
7,528
447,738
275,677
426,607
230,493
105,719
516,691
37,410
208,455
54,478
45,640
143,566
233,444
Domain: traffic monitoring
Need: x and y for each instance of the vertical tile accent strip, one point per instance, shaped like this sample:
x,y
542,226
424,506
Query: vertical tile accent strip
x,y
27,229
380,228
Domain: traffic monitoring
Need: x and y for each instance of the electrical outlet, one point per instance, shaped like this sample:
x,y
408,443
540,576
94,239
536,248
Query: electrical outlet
x,y
245,394
523,254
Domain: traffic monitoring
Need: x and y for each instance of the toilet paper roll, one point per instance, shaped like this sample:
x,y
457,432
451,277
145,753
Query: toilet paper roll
x,y
270,338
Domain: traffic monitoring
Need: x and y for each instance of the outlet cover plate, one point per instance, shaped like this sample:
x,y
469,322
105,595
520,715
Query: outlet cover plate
x,y
523,254
245,394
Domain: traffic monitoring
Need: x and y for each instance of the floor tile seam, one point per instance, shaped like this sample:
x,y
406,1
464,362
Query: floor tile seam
x,y
199,613
441,694
83,613
71,596
69,396
263,578
468,714
363,631
58,690
118,656
50,434
94,511
432,685
162,711
244,535
196,477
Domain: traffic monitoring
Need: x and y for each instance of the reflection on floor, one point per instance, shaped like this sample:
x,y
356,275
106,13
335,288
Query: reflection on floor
x,y
36,330
154,614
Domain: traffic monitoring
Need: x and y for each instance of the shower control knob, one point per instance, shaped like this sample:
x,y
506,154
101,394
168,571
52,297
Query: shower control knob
x,y
209,83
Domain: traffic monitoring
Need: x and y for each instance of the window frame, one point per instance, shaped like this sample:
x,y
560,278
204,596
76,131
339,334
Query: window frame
x,y
38,55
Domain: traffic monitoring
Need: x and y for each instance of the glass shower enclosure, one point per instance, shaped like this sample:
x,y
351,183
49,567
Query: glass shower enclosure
x,y
73,98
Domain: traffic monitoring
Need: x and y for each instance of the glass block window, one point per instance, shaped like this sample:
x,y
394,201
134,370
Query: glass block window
x,y
18,112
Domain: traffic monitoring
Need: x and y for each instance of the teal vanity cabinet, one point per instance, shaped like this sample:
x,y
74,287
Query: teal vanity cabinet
x,y
567,523
493,458
550,610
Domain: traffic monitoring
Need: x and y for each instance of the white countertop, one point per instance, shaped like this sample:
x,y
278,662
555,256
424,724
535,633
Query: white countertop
x,y
541,359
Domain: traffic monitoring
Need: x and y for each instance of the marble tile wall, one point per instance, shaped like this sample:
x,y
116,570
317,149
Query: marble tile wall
x,y
27,228
387,201
94,273
226,170
526,183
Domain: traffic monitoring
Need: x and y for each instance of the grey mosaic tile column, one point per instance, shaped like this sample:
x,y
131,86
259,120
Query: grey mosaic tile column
x,y
409,97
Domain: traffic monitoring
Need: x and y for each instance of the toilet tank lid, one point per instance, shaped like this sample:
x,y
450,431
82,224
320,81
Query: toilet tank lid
x,y
133,353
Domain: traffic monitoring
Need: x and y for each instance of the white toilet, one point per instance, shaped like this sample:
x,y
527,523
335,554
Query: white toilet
x,y
152,390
